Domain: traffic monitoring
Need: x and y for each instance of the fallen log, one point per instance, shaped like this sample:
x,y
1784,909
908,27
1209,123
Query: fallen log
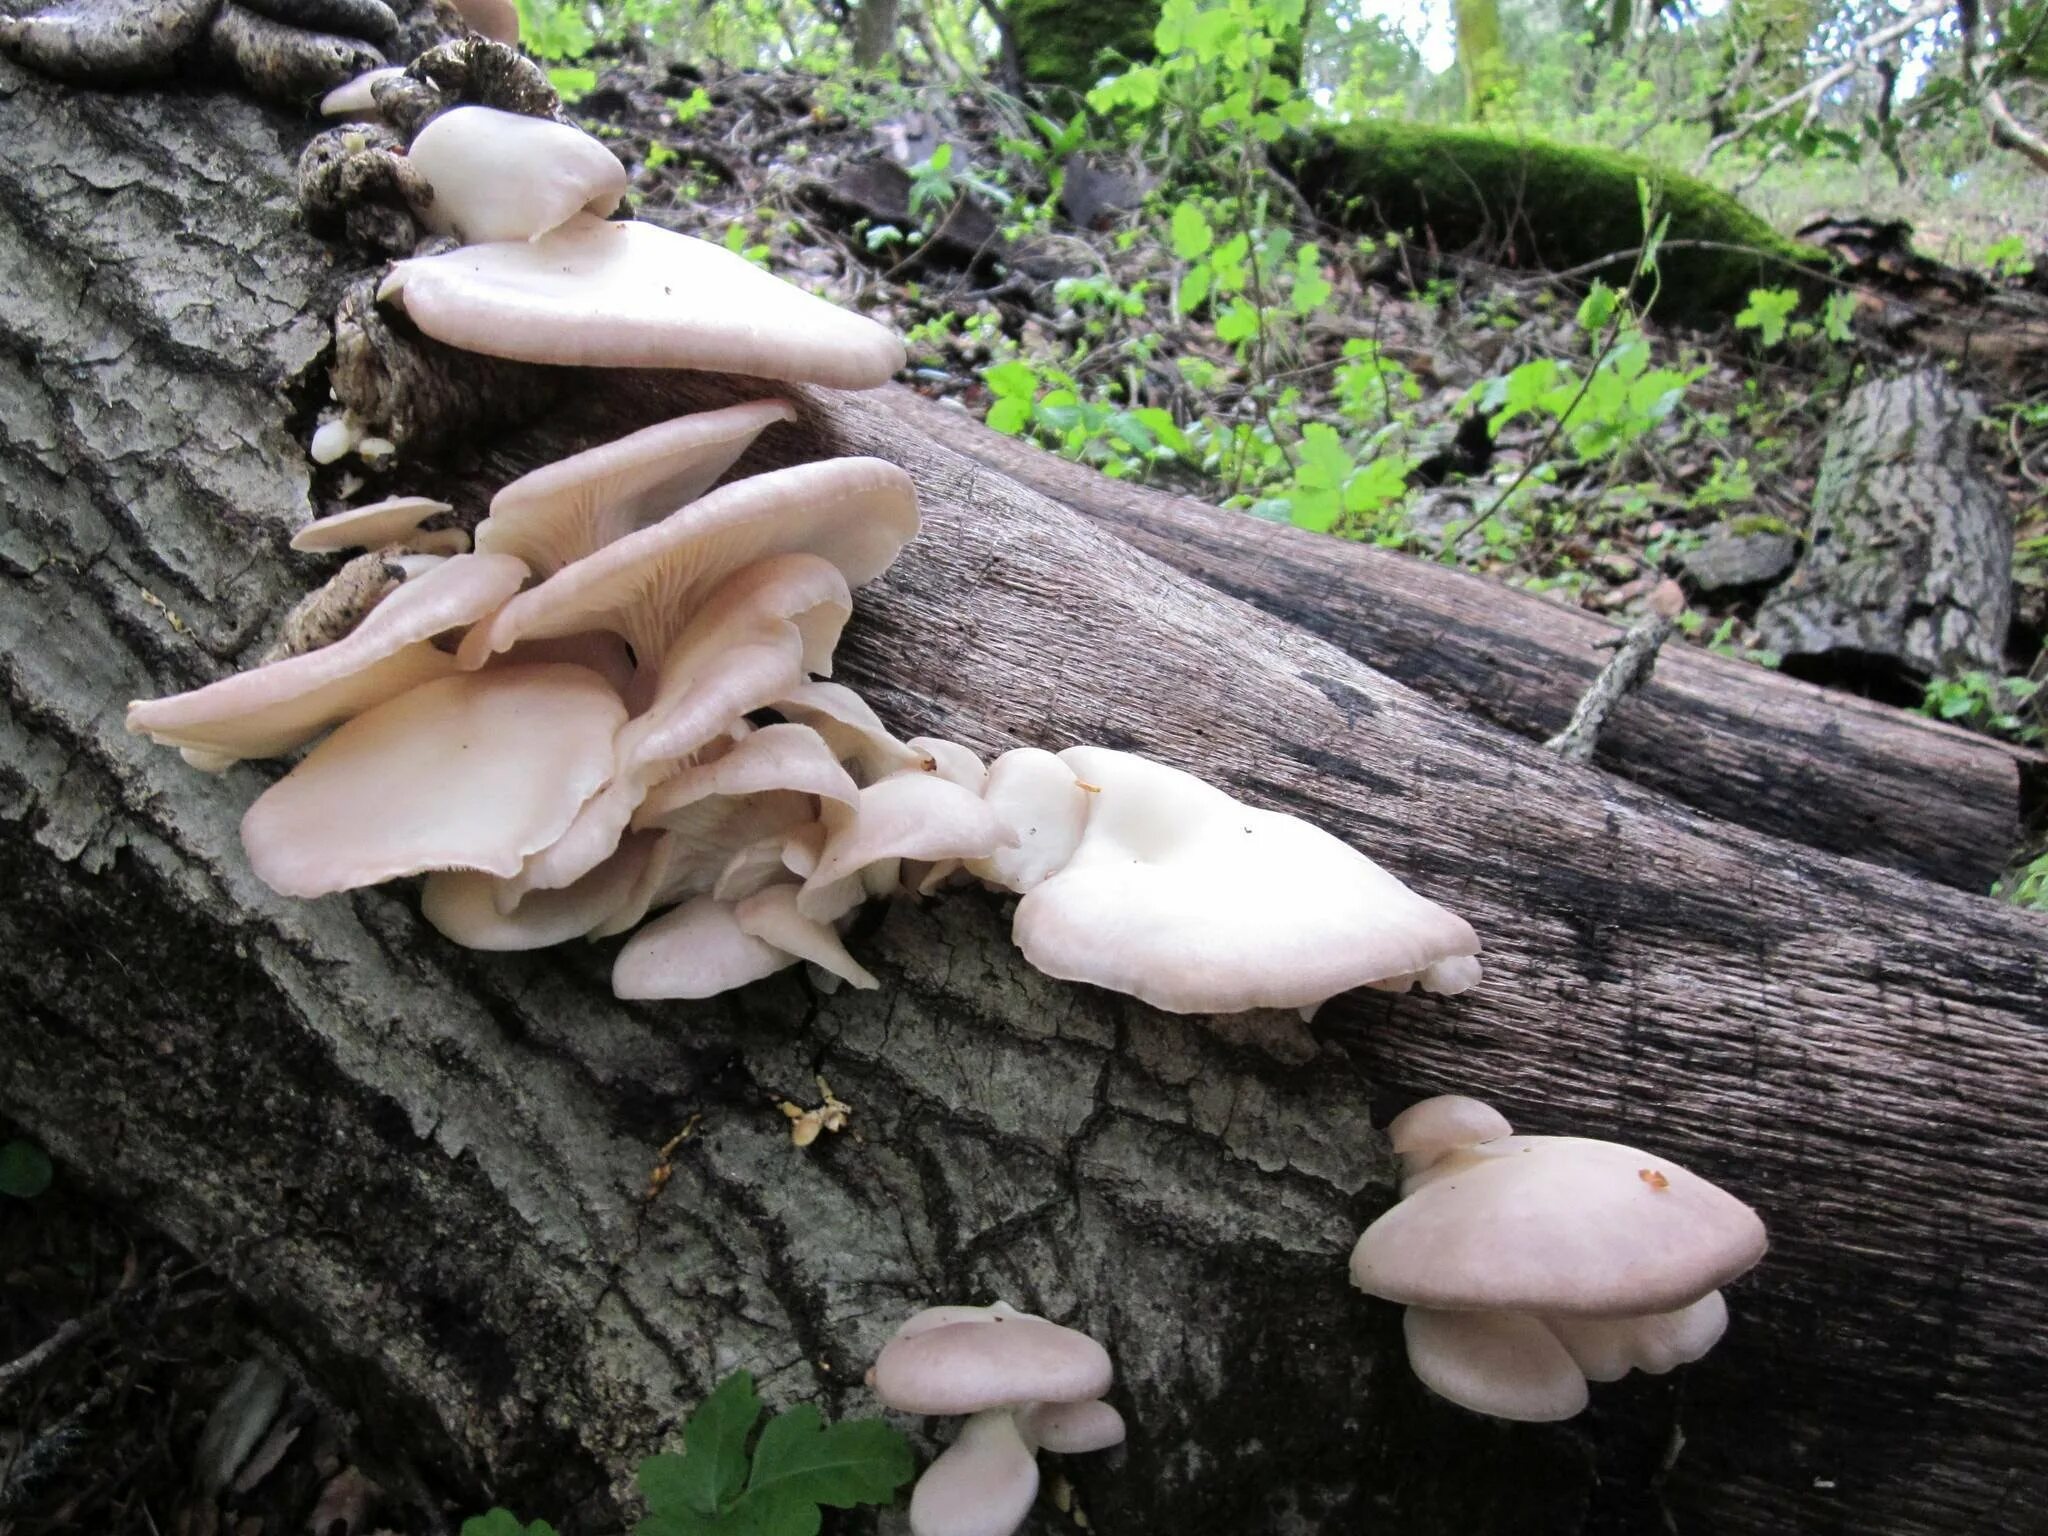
x,y
431,1167
1730,739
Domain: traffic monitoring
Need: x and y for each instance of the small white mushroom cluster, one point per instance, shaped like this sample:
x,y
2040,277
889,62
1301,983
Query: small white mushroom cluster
x,y
1532,1264
1025,1385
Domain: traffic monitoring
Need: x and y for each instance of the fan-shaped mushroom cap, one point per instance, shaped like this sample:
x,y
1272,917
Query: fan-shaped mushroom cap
x,y
354,98
375,526
464,905
505,176
983,1484
783,756
856,513
1039,798
696,951
633,295
701,840
563,511
1001,1360
271,709
1506,1364
771,916
1608,1348
1196,903
496,19
907,816
1071,1429
853,730
474,771
1422,1133
1557,1225
952,762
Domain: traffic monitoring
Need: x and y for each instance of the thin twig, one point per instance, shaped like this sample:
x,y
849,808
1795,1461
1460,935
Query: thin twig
x,y
1634,659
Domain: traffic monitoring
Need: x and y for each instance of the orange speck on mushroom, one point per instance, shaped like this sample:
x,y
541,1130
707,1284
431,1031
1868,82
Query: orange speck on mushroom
x,y
1653,1178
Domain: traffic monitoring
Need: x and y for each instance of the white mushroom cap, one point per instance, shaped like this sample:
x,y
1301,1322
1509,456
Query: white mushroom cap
x,y
1422,1133
272,709
356,98
505,176
496,19
696,951
632,295
1196,903
1560,1226
1506,1364
1041,800
856,513
474,771
1608,1348
906,816
952,762
562,511
375,526
1000,1360
781,756
1071,1429
771,916
464,905
853,730
983,1484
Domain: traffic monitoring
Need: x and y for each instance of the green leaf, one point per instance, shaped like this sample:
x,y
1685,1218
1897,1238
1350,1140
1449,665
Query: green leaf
x,y
502,1522
856,1461
1767,313
572,84
1194,288
1836,315
25,1170
1011,380
713,1467
1238,323
1192,235
1009,416
1167,430
1597,308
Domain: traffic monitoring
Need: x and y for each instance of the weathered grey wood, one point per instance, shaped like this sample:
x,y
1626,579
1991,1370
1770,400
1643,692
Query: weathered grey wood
x,y
1733,740
430,1165
1908,564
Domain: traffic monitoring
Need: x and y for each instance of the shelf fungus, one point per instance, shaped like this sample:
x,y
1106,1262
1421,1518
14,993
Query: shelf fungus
x,y
1024,1385
1531,1265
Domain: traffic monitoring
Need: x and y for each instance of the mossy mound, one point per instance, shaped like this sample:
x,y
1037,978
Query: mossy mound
x,y
1062,42
1531,203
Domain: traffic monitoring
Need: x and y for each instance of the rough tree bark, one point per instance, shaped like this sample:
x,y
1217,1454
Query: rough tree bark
x,y
1730,739
432,1165
1908,567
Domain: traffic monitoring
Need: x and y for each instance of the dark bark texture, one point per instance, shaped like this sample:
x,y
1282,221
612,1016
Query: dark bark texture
x,y
1731,740
431,1166
1908,566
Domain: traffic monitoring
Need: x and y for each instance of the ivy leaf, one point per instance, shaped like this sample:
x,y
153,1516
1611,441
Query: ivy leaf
x,y
713,1467
25,1170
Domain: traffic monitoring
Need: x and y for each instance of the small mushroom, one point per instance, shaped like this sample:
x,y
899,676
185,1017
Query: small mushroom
x,y
378,525
563,511
633,295
1197,903
507,176
357,98
466,906
698,950
1531,1263
911,815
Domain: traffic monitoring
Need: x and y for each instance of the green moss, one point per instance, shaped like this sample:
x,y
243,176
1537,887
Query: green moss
x,y
1531,203
1062,42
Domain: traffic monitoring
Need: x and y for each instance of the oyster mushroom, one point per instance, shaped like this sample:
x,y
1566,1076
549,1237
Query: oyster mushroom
x,y
500,175
1530,1264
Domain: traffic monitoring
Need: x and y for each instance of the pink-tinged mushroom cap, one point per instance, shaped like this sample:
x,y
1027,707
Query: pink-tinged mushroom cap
x,y
496,19
355,98
771,916
1071,1429
1422,1133
983,1484
696,951
474,771
775,757
1608,1348
853,730
505,176
464,904
1559,1226
1506,1364
1041,800
952,762
563,511
375,526
907,816
1196,903
632,295
1004,1360
272,709
856,513
699,843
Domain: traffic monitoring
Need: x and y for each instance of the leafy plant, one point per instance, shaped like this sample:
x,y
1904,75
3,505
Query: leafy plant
x,y
2026,886
1768,313
798,1462
25,1170
1997,706
502,1522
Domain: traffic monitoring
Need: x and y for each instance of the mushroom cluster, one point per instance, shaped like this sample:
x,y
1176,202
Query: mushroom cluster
x,y
1532,1264
1024,1385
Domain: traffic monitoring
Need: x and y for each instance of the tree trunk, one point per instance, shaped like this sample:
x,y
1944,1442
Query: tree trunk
x,y
1482,55
874,31
432,1165
1728,738
1908,568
